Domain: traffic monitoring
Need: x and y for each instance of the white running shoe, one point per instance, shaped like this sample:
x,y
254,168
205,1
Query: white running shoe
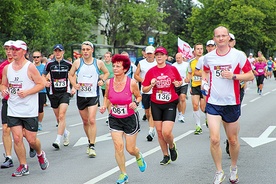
x,y
234,175
219,177
66,139
181,118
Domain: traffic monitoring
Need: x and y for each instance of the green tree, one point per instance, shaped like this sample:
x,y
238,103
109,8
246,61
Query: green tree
x,y
71,22
128,20
249,20
178,11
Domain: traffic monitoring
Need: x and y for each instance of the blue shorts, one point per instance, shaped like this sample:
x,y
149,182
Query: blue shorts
x,y
228,113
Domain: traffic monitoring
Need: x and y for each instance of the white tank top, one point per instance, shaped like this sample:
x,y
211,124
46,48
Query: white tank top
x,y
144,68
19,80
87,78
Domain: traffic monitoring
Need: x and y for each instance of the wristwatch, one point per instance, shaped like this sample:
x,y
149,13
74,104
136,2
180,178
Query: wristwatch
x,y
234,77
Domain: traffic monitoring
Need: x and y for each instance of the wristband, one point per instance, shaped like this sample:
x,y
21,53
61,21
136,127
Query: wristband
x,y
234,77
137,103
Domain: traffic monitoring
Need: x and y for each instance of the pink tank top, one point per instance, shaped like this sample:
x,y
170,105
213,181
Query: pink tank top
x,y
120,100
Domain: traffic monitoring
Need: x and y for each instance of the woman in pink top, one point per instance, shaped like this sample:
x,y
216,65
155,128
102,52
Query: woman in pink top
x,y
260,73
124,95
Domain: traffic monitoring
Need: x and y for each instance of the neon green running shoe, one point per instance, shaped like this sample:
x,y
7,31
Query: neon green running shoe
x,y
141,163
198,130
123,178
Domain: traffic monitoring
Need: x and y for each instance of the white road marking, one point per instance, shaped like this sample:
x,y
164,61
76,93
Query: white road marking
x,y
133,160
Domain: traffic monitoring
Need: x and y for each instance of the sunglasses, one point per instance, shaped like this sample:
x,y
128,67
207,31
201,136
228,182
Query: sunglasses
x,y
36,56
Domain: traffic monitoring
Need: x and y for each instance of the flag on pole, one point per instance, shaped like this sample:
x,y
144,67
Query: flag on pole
x,y
185,49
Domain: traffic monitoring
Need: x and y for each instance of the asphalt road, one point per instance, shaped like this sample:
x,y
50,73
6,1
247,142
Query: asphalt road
x,y
194,165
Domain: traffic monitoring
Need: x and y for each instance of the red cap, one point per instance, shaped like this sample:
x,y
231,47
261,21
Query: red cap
x,y
161,50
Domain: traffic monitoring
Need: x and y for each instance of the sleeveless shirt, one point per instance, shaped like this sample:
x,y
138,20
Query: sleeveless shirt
x,y
19,80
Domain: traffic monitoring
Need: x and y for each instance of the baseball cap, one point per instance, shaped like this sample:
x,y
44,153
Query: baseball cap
x,y
88,43
210,42
150,49
8,43
232,36
250,54
19,44
58,46
161,50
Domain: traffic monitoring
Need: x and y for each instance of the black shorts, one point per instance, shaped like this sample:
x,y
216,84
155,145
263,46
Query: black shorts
x,y
164,112
129,125
41,101
59,98
181,90
228,113
146,100
4,111
83,102
196,91
30,123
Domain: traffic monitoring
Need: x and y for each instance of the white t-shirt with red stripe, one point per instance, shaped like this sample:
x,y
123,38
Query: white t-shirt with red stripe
x,y
224,91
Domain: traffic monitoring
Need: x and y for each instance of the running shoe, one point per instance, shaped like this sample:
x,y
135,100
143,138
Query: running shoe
x,y
166,160
227,147
234,175
66,139
219,177
181,118
7,163
87,150
22,170
43,161
173,152
151,135
107,122
32,152
198,130
91,152
144,117
56,144
141,163
39,126
123,178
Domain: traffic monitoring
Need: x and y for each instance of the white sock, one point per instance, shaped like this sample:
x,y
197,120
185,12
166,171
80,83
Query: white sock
x,y
65,132
196,115
151,129
58,138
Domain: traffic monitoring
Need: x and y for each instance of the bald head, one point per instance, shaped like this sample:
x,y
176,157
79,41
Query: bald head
x,y
179,58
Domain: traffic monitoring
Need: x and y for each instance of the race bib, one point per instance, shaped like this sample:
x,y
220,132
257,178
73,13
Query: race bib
x,y
260,70
119,110
60,83
85,87
196,78
163,96
219,69
13,88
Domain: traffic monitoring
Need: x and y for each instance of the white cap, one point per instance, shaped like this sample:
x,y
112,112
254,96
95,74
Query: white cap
x,y
210,42
19,44
250,54
150,49
232,36
8,43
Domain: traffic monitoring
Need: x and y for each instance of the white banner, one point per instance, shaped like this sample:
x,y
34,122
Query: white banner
x,y
185,49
